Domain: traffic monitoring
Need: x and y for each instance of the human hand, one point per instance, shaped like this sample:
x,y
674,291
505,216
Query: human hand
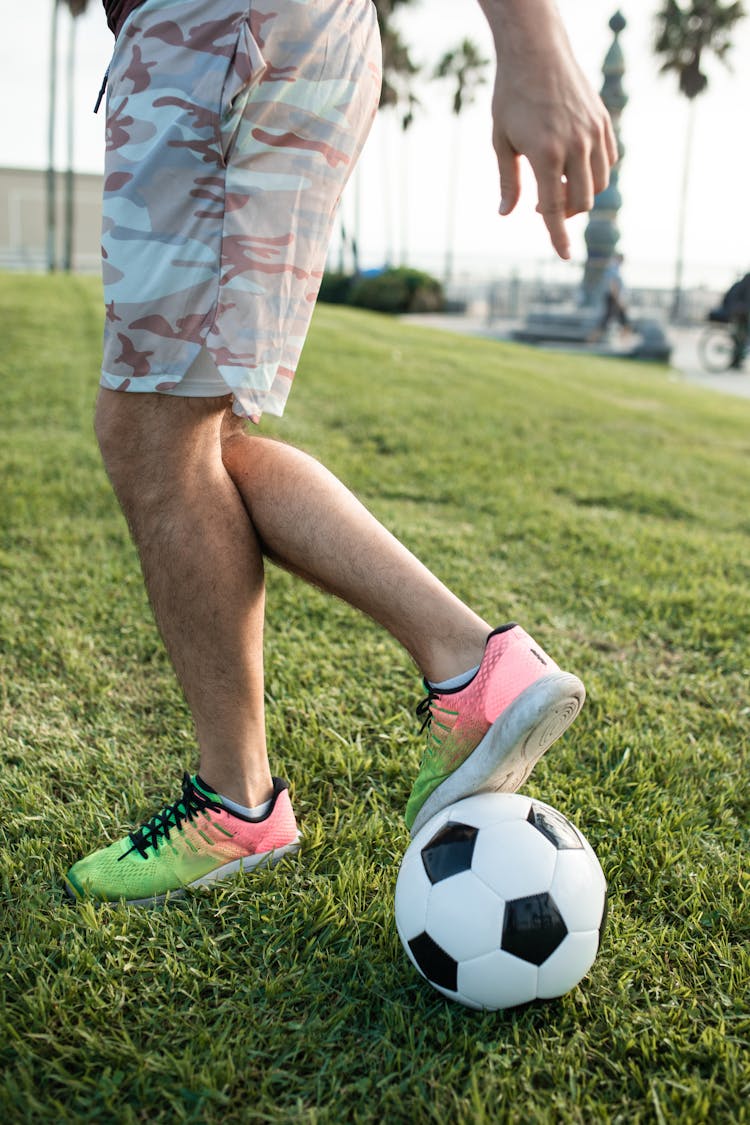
x,y
545,109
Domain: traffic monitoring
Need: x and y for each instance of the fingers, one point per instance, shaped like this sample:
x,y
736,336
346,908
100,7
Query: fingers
x,y
559,197
600,168
571,166
556,192
580,185
569,182
552,207
610,142
604,155
509,166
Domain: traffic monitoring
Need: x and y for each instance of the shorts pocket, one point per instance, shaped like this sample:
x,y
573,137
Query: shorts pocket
x,y
245,71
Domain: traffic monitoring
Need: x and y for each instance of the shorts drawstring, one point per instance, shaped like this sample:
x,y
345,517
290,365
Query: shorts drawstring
x,y
102,90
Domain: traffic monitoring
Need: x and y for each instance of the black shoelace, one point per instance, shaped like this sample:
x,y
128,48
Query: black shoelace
x,y
157,830
424,711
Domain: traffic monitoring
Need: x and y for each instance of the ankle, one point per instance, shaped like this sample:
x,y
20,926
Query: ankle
x,y
445,663
245,790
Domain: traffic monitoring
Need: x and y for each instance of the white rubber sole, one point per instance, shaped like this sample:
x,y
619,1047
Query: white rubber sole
x,y
244,863
513,745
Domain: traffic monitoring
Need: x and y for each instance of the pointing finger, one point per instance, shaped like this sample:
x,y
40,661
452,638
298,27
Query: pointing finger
x,y
553,207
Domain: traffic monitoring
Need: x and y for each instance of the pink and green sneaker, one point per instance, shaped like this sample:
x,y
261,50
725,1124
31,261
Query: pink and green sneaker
x,y
191,842
490,733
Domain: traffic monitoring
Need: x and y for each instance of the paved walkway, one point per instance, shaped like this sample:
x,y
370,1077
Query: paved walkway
x,y
685,359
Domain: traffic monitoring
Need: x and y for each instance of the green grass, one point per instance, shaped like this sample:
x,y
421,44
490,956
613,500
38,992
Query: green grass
x,y
604,505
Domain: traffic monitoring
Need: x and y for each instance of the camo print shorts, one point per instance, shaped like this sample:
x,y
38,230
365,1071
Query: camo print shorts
x,y
231,131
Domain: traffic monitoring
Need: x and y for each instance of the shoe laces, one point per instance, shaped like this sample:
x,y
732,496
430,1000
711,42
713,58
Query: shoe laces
x,y
424,709
157,830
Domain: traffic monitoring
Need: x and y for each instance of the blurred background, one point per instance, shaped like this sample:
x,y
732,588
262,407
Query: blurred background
x,y
426,192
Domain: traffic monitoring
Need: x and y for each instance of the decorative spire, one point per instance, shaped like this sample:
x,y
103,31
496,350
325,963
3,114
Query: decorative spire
x,y
602,234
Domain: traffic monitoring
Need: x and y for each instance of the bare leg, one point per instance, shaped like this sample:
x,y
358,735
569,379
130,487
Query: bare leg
x,y
312,525
203,570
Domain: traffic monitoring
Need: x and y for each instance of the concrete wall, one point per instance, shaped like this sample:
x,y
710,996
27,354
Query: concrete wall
x,y
23,219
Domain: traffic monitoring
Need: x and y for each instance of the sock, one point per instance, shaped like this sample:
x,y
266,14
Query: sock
x,y
233,806
455,681
253,814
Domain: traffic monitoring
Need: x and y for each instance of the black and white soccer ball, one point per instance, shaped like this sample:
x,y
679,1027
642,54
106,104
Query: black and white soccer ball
x,y
500,901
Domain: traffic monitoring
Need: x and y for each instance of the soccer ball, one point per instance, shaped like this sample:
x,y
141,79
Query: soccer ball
x,y
500,901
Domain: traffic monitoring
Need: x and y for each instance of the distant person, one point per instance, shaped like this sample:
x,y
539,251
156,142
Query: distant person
x,y
735,310
614,298
231,131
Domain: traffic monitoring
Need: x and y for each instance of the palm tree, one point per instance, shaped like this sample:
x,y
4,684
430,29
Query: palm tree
x,y
396,95
465,66
686,32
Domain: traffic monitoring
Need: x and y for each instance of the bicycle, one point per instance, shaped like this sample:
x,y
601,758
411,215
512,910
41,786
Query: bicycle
x,y
717,347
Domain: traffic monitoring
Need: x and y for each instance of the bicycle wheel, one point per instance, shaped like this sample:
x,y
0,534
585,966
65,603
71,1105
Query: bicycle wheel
x,y
716,349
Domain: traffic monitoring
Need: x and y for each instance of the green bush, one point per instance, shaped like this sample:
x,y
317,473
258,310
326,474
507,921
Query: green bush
x,y
336,287
398,291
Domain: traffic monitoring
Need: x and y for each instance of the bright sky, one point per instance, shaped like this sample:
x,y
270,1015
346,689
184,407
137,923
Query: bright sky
x,y
404,182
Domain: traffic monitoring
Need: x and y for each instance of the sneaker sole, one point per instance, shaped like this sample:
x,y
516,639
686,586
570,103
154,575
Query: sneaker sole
x,y
244,863
513,745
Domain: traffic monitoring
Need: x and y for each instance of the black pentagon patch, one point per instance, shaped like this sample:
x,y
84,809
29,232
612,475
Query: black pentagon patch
x,y
533,928
555,827
449,852
437,965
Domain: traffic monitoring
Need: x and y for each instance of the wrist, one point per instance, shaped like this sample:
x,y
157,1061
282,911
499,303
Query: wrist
x,y
523,25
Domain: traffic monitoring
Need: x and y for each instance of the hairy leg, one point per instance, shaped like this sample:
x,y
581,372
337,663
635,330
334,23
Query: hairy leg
x,y
312,525
203,569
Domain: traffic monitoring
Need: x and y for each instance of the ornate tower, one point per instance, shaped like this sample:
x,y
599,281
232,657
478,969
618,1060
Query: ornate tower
x,y
602,234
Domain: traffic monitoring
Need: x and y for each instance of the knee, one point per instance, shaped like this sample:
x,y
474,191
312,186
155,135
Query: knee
x,y
152,436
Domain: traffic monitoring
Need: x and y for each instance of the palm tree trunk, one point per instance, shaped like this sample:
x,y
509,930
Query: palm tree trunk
x,y
69,175
357,236
386,138
450,226
404,200
52,121
680,259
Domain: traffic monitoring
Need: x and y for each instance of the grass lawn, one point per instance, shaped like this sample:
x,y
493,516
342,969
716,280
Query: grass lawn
x,y
602,504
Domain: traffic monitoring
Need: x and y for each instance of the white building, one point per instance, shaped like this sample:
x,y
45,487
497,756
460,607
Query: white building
x,y
23,220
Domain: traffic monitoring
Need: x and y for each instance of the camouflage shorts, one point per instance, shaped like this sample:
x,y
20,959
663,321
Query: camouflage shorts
x,y
231,131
